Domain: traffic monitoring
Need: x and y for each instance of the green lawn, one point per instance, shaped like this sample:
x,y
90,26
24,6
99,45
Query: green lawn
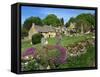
x,y
25,45
66,40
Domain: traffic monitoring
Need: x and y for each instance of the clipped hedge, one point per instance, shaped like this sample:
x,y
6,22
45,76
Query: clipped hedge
x,y
36,38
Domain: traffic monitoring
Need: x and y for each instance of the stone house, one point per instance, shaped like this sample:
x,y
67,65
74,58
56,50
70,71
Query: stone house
x,y
46,31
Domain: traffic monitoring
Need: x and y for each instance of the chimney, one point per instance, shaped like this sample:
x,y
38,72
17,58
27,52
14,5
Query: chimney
x,y
33,24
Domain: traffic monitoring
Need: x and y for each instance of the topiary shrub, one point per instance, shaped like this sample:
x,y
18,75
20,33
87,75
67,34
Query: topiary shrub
x,y
36,38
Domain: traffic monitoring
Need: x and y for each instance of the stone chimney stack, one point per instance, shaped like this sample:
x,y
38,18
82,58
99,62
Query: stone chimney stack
x,y
33,24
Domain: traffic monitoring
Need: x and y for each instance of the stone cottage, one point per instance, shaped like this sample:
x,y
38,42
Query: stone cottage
x,y
46,31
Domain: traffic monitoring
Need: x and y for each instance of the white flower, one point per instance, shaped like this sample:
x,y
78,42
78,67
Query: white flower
x,y
48,67
27,57
93,37
26,63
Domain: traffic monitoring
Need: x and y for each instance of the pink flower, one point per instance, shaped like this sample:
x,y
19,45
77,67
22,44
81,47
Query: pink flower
x,y
63,56
29,52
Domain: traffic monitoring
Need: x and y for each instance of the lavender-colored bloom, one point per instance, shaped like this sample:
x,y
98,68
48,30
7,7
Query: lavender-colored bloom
x,y
28,52
62,58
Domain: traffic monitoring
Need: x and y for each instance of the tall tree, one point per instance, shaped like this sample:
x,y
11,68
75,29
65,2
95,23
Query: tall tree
x,y
52,19
71,20
24,33
88,20
62,21
28,22
84,22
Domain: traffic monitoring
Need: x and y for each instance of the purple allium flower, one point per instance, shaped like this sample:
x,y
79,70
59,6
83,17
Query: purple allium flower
x,y
28,52
62,58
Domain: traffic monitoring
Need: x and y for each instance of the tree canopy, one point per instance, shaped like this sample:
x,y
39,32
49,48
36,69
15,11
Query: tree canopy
x,y
52,19
71,20
28,22
62,21
89,18
83,21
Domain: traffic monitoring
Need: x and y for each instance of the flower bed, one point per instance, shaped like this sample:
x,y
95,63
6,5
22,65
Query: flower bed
x,y
29,53
63,56
54,56
79,48
51,56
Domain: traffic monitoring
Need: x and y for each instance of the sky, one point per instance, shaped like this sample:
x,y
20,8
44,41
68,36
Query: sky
x,y
42,12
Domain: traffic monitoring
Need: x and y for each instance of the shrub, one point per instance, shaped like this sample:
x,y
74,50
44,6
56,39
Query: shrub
x,y
30,65
36,38
24,33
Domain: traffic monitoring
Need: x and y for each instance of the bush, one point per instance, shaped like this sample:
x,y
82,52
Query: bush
x,y
24,33
30,65
36,38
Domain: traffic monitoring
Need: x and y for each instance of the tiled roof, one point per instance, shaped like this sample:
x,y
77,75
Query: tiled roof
x,y
44,28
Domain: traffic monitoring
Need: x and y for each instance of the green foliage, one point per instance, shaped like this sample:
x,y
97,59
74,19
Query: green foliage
x,y
24,33
85,60
28,22
66,40
87,21
52,19
31,65
62,21
36,38
70,20
84,22
53,53
87,17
